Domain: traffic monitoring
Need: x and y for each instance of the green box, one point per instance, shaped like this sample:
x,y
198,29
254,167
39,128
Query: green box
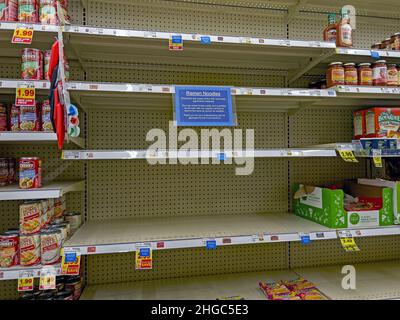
x,y
326,207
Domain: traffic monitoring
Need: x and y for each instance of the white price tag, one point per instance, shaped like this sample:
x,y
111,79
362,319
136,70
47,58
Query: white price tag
x,y
149,34
284,42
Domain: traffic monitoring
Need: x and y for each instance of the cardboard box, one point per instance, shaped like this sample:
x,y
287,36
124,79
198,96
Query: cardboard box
x,y
326,206
359,124
395,186
382,122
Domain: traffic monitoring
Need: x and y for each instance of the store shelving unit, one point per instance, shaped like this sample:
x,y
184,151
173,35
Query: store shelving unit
x,y
15,272
50,191
34,138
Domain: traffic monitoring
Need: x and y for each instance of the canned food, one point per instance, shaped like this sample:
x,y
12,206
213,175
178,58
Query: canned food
x,y
9,250
3,117
59,207
28,11
64,231
50,246
64,295
30,173
74,284
75,219
32,64
29,250
46,116
30,217
29,118
47,12
4,173
45,212
8,10
14,118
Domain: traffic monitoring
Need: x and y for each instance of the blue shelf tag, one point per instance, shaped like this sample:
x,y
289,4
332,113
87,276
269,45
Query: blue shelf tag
x,y
221,156
70,257
211,244
205,40
144,252
375,55
305,239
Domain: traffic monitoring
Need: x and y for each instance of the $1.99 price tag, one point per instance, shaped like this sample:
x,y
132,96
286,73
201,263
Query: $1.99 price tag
x,y
25,96
25,282
22,34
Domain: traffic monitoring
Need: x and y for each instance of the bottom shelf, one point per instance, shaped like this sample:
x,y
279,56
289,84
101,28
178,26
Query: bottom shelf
x,y
373,281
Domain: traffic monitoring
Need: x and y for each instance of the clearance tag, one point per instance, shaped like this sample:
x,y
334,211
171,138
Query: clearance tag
x,y
176,43
47,279
22,34
25,281
144,258
70,263
347,241
377,157
347,155
25,95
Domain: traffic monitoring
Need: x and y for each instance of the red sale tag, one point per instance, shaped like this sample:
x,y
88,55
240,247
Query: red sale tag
x,y
25,96
22,34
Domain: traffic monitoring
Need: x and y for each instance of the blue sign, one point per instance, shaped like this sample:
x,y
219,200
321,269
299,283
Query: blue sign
x,y
144,252
305,240
204,106
221,157
375,55
70,257
176,39
211,244
205,40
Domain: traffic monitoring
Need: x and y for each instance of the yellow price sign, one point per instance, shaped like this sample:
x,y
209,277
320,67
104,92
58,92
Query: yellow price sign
x,y
25,282
22,34
348,242
377,158
25,96
47,280
70,263
347,155
144,258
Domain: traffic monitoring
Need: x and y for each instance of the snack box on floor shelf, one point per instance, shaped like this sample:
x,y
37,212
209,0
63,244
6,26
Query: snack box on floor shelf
x,y
365,206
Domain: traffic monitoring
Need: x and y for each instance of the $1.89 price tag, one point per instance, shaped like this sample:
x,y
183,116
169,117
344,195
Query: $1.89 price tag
x,y
22,34
25,96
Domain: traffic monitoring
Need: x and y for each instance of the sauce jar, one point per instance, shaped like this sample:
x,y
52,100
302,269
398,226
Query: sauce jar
x,y
335,74
395,41
365,74
386,45
398,75
393,77
379,73
376,46
350,74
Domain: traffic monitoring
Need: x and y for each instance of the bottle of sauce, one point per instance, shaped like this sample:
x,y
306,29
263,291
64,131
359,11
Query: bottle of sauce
x,y
365,74
350,74
330,31
393,77
379,71
335,75
344,32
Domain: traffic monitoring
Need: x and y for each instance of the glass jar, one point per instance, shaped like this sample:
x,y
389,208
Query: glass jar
x,y
393,77
376,46
398,75
350,74
335,74
379,73
365,74
386,45
395,41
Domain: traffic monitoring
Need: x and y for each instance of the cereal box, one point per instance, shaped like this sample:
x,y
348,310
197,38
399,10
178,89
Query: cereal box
x,y
383,122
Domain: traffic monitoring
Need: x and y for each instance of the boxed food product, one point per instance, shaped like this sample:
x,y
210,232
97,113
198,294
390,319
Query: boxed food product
x,y
348,205
46,116
29,118
383,122
30,217
359,124
30,250
4,172
14,118
3,117
380,143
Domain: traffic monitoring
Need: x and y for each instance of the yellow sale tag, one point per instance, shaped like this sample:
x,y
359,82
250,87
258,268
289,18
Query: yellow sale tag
x,y
347,241
47,281
25,284
70,263
144,258
22,34
347,155
377,157
25,96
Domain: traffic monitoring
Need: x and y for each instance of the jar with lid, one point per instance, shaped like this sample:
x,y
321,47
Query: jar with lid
x,y
335,74
395,41
364,74
350,74
393,77
376,46
379,73
398,75
386,45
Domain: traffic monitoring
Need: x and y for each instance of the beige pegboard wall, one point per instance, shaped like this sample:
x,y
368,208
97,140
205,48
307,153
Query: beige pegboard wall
x,y
331,252
104,269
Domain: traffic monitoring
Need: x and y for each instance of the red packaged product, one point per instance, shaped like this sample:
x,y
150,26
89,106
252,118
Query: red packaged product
x,y
32,64
14,118
12,170
28,11
9,250
4,174
383,122
30,173
3,117
45,114
46,57
29,118
359,124
8,10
